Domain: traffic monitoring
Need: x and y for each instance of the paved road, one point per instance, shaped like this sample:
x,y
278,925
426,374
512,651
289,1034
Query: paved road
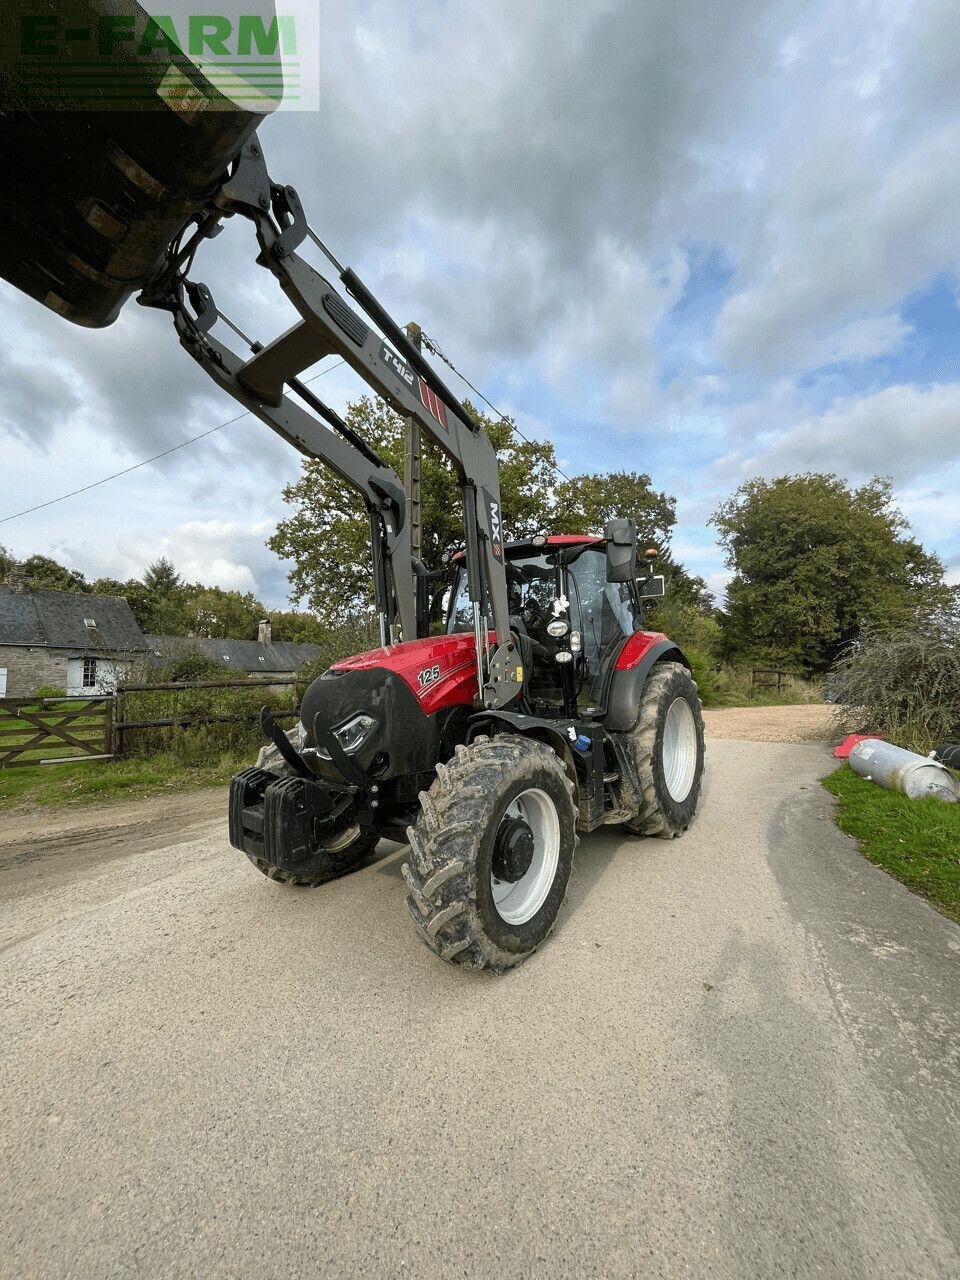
x,y
737,1057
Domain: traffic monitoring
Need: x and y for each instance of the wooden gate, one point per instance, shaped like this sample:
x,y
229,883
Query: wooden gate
x,y
53,730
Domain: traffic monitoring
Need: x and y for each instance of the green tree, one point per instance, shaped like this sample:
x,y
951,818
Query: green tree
x,y
327,535
161,578
7,562
44,574
584,504
815,561
296,627
214,611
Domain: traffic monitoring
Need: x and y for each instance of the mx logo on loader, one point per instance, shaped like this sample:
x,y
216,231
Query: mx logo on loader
x,y
496,525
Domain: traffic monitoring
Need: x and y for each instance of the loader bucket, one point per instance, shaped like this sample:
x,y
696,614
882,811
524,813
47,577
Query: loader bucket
x,y
103,168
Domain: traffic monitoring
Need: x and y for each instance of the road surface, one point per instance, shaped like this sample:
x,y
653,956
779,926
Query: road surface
x,y
736,1057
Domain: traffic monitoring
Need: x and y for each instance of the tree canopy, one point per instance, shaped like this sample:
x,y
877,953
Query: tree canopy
x,y
161,577
164,604
43,574
326,536
815,562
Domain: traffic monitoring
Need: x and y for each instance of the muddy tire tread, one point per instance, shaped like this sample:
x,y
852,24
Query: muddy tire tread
x,y
440,873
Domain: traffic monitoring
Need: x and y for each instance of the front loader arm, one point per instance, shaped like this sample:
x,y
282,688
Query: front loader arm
x,y
377,482
395,370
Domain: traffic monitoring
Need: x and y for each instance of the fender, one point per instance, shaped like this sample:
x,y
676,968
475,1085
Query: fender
x,y
552,732
630,670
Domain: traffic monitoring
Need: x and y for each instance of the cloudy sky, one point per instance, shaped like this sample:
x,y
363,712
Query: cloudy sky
x,y
705,240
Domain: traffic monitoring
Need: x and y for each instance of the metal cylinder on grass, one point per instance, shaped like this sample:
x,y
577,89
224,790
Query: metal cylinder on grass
x,y
900,770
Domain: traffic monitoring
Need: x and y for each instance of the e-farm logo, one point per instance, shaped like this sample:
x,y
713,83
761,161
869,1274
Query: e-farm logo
x,y
183,60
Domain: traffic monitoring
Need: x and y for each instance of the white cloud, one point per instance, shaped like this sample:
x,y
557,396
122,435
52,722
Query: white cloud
x,y
865,339
933,510
852,232
903,431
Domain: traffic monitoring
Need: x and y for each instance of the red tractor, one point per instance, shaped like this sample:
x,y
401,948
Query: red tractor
x,y
604,729
544,711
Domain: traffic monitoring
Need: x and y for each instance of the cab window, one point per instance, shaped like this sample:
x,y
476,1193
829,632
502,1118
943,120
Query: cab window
x,y
602,611
531,588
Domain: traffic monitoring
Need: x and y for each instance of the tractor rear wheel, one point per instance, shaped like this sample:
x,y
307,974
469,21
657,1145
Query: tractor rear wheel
x,y
339,857
667,749
491,852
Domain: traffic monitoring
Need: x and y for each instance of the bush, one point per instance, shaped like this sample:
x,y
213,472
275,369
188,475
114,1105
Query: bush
x,y
189,665
196,745
711,683
50,691
903,683
690,627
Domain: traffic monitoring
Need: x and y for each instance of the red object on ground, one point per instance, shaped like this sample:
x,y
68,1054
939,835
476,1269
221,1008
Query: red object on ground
x,y
842,752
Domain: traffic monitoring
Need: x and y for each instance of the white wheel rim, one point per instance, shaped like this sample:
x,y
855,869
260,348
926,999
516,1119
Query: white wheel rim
x,y
679,749
518,901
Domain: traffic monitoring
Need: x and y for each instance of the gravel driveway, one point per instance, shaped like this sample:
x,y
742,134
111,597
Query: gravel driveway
x,y
736,1058
808,722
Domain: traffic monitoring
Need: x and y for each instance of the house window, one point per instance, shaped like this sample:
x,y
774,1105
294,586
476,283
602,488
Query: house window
x,y
89,673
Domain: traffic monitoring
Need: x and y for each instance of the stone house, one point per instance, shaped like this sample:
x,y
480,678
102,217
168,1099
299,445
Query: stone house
x,y
79,643
89,644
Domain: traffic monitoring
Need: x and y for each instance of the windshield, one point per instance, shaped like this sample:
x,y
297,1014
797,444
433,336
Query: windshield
x,y
531,588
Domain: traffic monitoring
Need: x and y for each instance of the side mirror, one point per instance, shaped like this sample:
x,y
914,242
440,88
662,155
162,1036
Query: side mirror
x,y
654,585
621,536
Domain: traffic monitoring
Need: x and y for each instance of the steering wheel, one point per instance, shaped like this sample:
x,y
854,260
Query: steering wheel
x,y
520,627
532,612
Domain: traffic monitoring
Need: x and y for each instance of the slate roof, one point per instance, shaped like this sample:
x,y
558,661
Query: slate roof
x,y
19,620
239,655
56,619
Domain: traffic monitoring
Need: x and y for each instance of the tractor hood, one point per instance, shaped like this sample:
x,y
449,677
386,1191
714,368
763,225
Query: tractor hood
x,y
111,144
441,671
407,690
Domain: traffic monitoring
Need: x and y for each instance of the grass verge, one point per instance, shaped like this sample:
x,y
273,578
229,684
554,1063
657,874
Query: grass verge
x,y
98,781
918,841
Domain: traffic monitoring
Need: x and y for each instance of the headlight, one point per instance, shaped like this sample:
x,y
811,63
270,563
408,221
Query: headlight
x,y
351,735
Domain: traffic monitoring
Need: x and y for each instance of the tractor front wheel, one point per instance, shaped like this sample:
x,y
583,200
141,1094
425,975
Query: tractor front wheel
x,y
491,852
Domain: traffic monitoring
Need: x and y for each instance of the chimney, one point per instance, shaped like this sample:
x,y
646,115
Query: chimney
x,y
17,579
263,631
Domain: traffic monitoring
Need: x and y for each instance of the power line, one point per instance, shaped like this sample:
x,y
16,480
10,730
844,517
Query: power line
x,y
94,484
432,347
165,453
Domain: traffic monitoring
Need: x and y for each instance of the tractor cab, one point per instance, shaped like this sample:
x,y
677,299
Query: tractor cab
x,y
570,619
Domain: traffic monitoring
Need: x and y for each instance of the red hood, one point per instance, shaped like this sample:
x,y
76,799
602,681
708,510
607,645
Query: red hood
x,y
441,670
